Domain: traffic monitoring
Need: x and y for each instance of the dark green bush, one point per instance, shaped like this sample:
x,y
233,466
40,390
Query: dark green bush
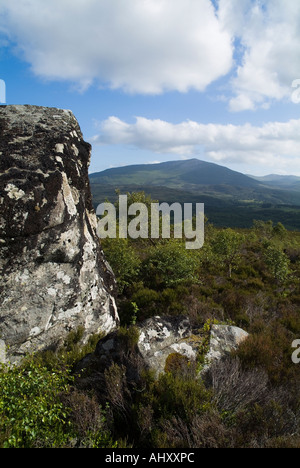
x,y
31,411
169,264
123,259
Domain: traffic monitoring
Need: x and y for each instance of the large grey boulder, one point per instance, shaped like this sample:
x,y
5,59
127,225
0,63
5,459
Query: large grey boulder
x,y
53,274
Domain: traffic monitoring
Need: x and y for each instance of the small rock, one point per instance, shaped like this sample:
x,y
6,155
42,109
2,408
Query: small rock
x,y
223,340
162,336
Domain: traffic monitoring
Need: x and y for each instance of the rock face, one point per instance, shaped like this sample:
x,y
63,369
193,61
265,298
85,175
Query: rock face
x,y
53,275
2,352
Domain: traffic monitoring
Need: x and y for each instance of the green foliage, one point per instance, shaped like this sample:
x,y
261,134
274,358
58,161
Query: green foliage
x,y
73,338
123,260
277,262
88,420
70,353
269,348
147,301
136,197
129,336
226,246
264,229
32,414
40,408
280,231
176,363
169,264
267,230
179,395
135,311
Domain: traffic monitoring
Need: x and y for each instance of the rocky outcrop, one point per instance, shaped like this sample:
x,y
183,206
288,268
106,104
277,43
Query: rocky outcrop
x,y
2,352
161,337
152,342
162,344
224,339
53,275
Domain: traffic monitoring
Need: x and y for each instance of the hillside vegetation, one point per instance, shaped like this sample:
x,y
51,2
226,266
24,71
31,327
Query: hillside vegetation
x,y
246,277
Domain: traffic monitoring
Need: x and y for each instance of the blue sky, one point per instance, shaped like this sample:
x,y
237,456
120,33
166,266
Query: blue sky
x,y
159,80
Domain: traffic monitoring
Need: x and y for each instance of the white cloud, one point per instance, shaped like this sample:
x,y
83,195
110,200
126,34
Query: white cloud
x,y
154,46
274,145
140,46
269,34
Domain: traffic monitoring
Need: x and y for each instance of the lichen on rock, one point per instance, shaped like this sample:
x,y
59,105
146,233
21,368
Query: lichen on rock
x,y
162,336
54,277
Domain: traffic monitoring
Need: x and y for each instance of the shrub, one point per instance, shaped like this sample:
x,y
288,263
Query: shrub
x,y
88,420
169,264
236,389
203,431
270,350
70,353
226,246
129,336
32,414
147,301
179,396
117,392
123,260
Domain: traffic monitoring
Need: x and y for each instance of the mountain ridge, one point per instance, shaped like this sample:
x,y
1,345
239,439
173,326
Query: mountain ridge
x,y
284,181
191,171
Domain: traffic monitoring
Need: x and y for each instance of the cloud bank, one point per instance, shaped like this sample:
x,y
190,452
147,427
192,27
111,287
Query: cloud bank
x,y
154,46
275,144
140,46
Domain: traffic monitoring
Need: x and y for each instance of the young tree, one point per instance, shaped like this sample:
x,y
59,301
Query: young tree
x,y
277,262
226,246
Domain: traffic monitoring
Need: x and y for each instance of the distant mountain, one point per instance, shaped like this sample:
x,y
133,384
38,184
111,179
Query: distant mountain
x,y
288,182
175,174
231,198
